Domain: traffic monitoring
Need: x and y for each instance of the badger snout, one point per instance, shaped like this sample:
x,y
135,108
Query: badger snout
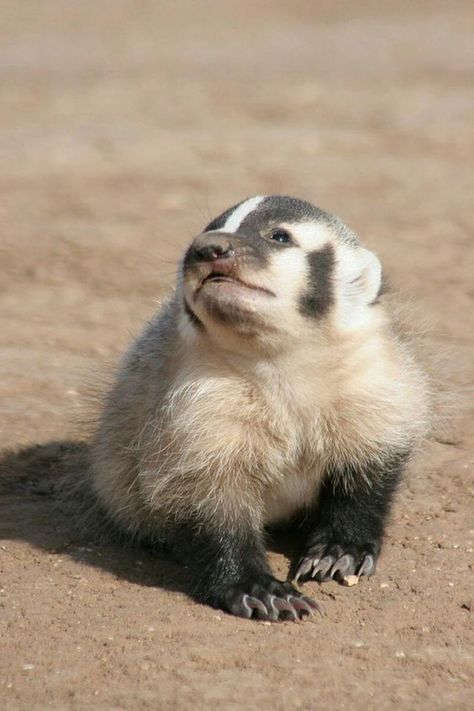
x,y
210,257
218,267
211,249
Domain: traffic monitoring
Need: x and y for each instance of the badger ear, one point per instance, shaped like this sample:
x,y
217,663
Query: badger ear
x,y
369,280
362,276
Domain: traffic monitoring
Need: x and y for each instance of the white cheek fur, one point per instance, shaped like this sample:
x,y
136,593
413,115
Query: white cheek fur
x,y
288,272
308,235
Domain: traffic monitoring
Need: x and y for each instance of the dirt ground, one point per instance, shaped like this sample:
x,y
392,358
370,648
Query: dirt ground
x,y
124,127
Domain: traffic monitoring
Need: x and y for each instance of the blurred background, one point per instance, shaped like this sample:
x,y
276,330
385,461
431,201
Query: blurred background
x,y
125,126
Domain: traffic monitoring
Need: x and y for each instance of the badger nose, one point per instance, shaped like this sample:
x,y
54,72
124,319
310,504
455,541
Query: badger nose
x,y
212,252
209,247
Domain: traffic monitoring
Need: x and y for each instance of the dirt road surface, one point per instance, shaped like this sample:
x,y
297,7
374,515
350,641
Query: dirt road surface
x,y
124,127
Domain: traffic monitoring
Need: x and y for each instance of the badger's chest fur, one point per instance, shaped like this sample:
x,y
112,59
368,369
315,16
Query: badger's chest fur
x,y
270,382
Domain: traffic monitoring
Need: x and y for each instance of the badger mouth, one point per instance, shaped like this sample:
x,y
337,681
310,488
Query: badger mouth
x,y
216,277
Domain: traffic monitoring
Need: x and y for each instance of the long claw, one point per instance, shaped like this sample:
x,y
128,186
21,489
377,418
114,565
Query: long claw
x,y
367,566
318,608
304,605
342,566
242,609
313,605
282,605
303,568
253,603
268,599
322,567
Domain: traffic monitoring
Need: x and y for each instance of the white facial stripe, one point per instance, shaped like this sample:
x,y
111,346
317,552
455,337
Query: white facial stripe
x,y
309,235
234,220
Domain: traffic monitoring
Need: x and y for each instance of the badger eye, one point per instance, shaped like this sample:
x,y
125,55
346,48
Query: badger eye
x,y
280,236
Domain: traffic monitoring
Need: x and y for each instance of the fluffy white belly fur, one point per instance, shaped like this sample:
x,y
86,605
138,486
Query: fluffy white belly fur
x,y
287,497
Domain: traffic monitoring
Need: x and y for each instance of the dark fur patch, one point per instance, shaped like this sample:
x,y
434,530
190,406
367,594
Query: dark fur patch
x,y
360,514
249,250
319,297
216,559
351,521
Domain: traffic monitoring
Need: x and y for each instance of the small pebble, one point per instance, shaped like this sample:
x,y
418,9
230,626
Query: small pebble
x,y
350,580
450,507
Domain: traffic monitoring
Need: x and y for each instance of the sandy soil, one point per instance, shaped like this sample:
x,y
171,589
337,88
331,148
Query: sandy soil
x,y
124,126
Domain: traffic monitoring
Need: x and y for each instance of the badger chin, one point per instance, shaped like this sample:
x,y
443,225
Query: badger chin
x,y
229,303
229,307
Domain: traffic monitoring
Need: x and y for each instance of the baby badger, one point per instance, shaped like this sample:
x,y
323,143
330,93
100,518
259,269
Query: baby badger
x,y
269,384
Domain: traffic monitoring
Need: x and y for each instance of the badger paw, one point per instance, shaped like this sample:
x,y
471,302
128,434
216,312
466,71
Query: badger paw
x,y
335,561
265,598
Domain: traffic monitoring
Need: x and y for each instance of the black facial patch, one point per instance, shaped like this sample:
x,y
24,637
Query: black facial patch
x,y
319,297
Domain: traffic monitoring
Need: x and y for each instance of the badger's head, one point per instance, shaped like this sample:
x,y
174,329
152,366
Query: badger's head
x,y
273,268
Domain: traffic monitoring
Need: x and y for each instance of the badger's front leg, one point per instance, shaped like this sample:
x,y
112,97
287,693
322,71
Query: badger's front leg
x,y
229,570
349,521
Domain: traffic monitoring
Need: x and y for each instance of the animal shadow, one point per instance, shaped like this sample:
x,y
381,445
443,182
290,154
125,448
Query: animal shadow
x,y
45,500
